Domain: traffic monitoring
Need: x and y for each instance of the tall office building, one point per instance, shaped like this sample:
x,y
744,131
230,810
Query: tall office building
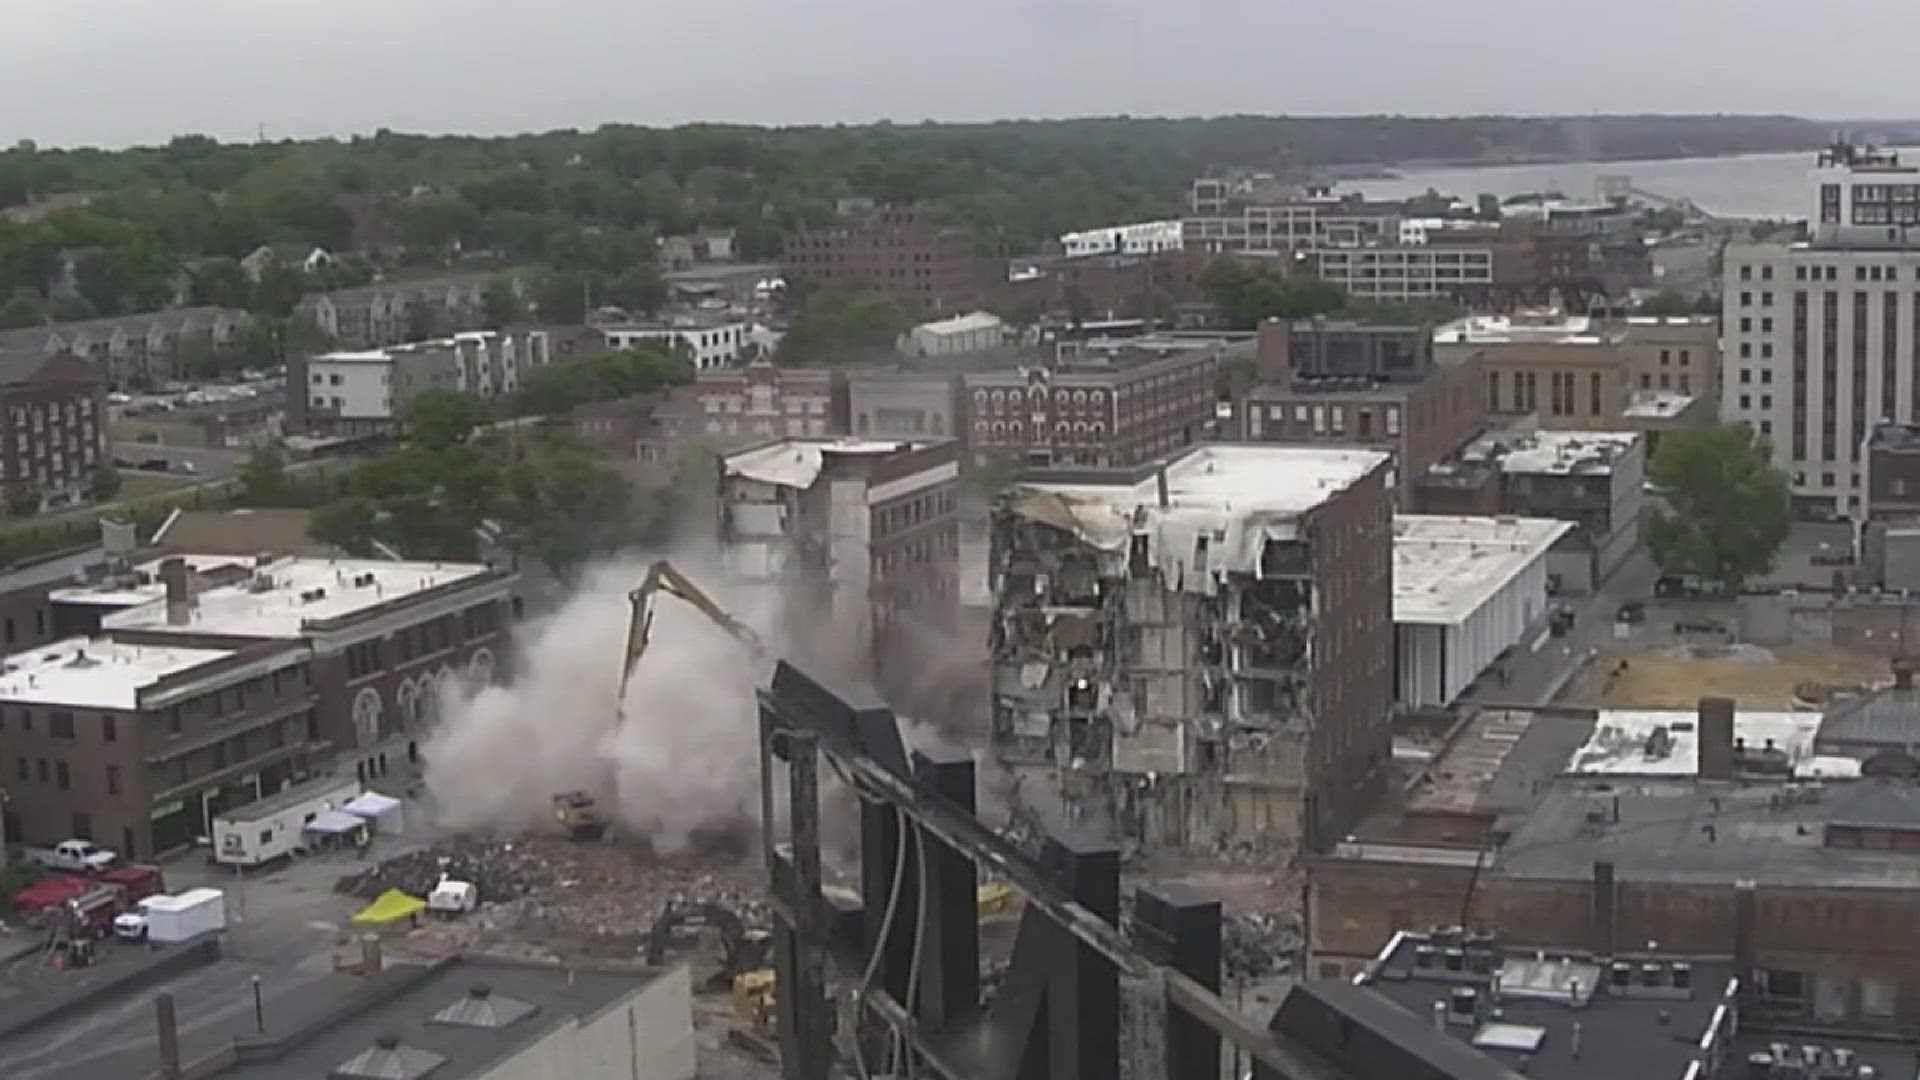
x,y
1821,339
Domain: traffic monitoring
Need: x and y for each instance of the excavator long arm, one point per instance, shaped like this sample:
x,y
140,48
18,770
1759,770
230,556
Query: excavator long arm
x,y
661,577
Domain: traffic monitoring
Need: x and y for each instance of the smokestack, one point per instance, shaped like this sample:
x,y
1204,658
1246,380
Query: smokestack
x,y
173,574
1160,484
370,959
1716,738
1273,353
1604,895
1903,674
169,1037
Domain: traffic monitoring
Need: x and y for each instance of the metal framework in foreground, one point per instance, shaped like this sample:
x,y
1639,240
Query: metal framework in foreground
x,y
1058,1013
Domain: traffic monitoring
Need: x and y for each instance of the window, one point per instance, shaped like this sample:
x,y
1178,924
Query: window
x,y
173,720
46,774
109,732
1746,401
23,770
1746,350
1746,375
60,724
113,779
63,778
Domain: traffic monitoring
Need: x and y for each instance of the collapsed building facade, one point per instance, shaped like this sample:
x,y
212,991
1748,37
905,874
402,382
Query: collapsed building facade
x,y
1199,652
862,536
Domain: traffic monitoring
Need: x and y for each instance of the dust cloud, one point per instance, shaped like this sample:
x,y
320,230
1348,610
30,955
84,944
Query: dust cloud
x,y
684,760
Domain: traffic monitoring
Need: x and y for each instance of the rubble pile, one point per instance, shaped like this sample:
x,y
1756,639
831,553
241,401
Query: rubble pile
x,y
1260,945
549,898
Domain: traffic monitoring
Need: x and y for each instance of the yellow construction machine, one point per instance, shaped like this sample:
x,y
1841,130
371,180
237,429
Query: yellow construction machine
x,y
577,811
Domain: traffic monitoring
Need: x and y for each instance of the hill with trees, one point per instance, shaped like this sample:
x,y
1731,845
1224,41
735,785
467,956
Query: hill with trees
x,y
93,233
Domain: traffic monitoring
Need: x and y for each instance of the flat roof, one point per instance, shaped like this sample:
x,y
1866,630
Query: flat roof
x,y
1687,831
1650,1038
278,599
1543,328
95,673
318,1021
289,797
1666,742
1657,405
1561,453
137,584
1445,568
797,462
1223,504
960,324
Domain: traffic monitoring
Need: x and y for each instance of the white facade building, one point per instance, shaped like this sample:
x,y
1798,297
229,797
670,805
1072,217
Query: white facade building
x,y
1465,589
1144,238
1406,272
977,332
708,346
352,385
1821,340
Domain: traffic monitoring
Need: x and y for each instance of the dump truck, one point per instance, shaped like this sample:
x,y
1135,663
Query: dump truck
x,y
578,812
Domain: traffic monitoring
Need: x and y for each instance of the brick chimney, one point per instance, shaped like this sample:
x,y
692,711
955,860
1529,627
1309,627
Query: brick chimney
x,y
1273,349
1716,738
173,575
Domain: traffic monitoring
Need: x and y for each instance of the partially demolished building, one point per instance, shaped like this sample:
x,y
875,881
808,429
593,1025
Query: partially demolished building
x,y
1199,651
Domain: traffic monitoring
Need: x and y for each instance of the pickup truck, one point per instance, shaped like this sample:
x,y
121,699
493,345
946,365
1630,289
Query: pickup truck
x,y
82,856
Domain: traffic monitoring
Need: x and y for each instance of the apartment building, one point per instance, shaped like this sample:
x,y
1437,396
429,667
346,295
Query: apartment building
x,y
1118,404
1264,218
1198,652
708,343
130,350
53,426
900,250
368,391
1821,336
1401,272
1142,238
1378,386
391,312
862,535
379,638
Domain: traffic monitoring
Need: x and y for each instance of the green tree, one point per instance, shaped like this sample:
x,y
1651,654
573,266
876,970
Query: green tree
x,y
1721,508
504,307
23,500
22,311
106,482
564,506
349,524
263,479
843,326
439,419
1250,296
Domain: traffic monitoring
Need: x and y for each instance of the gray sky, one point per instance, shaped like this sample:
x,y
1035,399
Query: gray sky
x,y
122,71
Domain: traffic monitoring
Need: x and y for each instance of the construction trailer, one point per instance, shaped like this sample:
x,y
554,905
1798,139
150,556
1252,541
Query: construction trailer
x,y
1079,993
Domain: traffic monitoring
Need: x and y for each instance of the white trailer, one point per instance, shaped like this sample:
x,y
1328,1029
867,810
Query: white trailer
x,y
188,915
275,827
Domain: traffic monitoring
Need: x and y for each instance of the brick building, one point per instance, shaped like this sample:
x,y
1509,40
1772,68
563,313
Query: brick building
x,y
899,250
380,638
1199,652
53,432
1141,399
862,534
1377,386
764,401
1571,828
136,744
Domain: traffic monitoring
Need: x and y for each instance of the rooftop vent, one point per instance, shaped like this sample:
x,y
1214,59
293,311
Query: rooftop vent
x,y
482,1008
386,1059
82,660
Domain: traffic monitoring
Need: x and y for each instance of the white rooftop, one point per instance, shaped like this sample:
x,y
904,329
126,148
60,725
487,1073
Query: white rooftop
x,y
1623,743
1563,453
797,463
962,324
1223,503
1657,405
97,674
1445,568
280,597
354,356
1535,327
138,586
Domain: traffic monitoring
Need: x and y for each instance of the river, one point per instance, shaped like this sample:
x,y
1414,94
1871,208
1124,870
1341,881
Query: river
x,y
1752,186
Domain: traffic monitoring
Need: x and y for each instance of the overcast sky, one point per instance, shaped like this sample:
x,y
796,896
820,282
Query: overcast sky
x,y
123,71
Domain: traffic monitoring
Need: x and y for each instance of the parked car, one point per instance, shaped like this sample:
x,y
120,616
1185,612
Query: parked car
x,y
83,856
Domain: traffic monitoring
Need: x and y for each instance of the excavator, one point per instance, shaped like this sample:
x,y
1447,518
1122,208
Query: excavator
x,y
578,812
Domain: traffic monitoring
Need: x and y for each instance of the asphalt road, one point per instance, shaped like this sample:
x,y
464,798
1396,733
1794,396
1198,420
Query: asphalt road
x,y
208,464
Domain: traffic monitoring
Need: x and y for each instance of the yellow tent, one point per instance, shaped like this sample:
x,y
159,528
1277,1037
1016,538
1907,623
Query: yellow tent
x,y
392,906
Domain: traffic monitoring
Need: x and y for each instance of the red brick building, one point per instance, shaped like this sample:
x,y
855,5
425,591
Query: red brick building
x,y
904,251
1146,399
52,425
